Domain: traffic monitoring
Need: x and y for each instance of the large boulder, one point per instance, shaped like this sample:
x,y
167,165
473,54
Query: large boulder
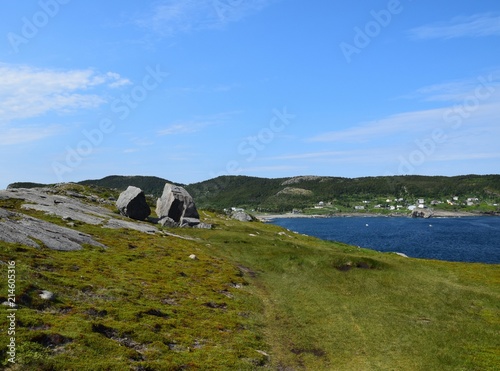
x,y
132,203
176,204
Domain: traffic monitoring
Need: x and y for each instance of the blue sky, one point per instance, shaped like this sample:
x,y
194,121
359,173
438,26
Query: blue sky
x,y
189,90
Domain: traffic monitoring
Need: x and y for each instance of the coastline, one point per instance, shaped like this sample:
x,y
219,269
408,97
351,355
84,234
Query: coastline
x,y
433,214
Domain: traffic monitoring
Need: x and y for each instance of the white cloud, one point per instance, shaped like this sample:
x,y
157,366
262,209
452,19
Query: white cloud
x,y
169,17
14,136
27,92
478,25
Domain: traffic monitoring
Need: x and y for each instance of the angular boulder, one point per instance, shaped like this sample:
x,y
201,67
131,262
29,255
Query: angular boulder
x,y
176,204
132,203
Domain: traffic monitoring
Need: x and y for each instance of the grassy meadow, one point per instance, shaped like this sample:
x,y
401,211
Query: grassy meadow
x,y
256,297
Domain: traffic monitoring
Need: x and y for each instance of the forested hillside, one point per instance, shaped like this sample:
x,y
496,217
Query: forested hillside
x,y
287,193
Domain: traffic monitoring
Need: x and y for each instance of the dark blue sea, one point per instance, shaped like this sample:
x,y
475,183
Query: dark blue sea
x,y
469,239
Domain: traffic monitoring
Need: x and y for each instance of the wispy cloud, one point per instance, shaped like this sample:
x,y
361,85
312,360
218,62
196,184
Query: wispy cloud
x,y
170,17
408,122
478,25
15,136
479,98
182,128
27,92
197,124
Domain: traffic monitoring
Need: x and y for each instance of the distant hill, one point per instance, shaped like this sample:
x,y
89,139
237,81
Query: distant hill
x,y
283,194
26,185
149,184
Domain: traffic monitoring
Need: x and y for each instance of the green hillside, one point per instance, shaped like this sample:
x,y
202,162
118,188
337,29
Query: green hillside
x,y
256,297
300,192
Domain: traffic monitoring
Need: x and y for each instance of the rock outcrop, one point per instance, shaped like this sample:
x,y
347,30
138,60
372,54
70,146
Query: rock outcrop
x,y
176,207
17,227
132,203
29,231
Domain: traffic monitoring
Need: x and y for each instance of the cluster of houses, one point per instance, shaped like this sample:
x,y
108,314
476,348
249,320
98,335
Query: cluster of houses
x,y
399,204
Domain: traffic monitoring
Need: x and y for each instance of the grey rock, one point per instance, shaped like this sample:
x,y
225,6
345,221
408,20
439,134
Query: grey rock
x,y
176,203
168,222
9,304
40,199
47,295
26,230
132,203
74,194
189,222
203,226
141,227
71,209
67,212
241,216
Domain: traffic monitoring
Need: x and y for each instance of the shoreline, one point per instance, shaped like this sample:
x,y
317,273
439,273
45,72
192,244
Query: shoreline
x,y
434,214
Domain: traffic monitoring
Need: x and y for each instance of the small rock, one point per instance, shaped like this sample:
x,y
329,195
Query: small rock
x,y
9,304
241,216
189,222
168,222
47,295
193,256
262,352
203,226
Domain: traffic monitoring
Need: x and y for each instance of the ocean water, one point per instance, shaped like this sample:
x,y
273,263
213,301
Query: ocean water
x,y
470,239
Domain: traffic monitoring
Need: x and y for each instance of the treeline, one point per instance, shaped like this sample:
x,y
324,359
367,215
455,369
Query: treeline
x,y
151,185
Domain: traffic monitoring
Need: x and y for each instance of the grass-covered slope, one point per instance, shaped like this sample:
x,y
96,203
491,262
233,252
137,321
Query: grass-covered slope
x,y
257,296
